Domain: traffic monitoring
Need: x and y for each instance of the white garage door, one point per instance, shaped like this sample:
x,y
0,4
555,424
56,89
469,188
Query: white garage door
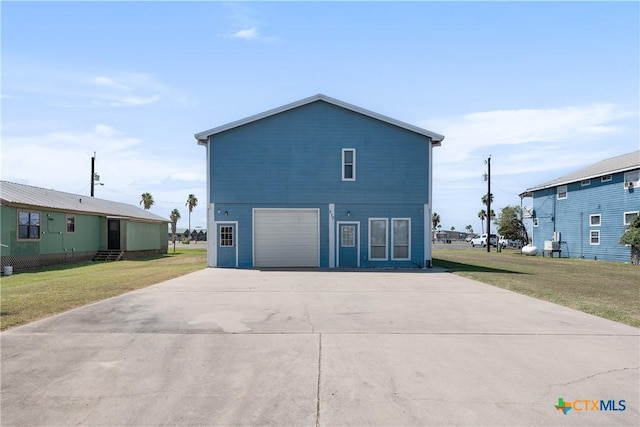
x,y
286,237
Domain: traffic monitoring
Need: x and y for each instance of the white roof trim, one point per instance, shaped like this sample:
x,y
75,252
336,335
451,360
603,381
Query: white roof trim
x,y
202,137
571,181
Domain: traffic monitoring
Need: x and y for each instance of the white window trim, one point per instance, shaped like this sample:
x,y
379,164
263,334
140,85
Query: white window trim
x,y
606,178
624,217
342,245
392,242
566,192
599,216
591,241
386,240
585,182
343,164
628,179
233,240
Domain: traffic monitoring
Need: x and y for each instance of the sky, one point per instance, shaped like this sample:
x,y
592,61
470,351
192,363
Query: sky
x,y
544,88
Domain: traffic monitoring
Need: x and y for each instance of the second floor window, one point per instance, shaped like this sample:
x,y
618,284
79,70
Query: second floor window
x,y
348,164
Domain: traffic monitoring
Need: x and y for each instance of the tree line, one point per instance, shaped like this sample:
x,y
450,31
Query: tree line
x,y
510,221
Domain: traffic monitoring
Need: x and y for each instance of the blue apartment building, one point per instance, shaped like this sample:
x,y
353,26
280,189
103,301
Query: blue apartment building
x,y
590,209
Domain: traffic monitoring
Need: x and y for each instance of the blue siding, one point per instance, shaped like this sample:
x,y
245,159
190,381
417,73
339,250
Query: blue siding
x,y
570,216
242,212
294,160
296,157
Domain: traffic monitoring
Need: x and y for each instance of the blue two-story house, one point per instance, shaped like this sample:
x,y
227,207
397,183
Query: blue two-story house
x,y
319,183
589,209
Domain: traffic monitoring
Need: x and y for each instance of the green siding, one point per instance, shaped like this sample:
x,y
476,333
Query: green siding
x,y
145,236
89,233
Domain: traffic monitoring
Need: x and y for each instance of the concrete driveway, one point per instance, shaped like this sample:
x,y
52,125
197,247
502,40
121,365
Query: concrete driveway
x,y
316,348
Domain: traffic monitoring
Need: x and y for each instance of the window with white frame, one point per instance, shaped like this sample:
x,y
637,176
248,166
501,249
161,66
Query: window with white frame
x,y
562,192
28,225
585,182
595,220
631,179
226,236
348,164
629,216
378,239
594,237
401,238
606,178
348,236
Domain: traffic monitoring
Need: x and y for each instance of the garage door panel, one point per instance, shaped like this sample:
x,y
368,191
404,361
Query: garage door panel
x,y
286,238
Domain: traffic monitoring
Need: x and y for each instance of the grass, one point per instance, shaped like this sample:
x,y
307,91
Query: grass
x,y
606,289
36,294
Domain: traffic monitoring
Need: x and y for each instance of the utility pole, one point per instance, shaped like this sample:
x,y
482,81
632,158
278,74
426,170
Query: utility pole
x,y
489,204
93,171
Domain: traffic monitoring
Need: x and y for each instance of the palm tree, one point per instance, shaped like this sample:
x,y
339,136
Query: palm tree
x,y
192,202
484,199
482,215
146,200
174,217
469,229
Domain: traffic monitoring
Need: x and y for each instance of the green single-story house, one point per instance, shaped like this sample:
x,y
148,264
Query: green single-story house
x,y
41,227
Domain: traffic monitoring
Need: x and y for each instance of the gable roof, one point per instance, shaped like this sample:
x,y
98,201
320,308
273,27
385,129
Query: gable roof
x,y
20,194
622,163
202,137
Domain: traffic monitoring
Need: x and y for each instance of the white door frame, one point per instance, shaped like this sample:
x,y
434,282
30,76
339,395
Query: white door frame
x,y
217,240
338,240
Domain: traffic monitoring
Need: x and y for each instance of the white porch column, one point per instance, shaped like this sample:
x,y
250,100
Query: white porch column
x,y
427,236
212,237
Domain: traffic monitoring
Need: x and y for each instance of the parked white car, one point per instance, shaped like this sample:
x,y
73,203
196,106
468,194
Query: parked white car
x,y
482,240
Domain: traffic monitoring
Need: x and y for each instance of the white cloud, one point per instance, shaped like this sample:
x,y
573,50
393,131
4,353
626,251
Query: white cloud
x,y
246,34
126,165
188,176
134,100
527,147
475,132
107,81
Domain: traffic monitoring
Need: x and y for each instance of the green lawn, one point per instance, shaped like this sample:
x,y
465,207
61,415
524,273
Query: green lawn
x,y
29,296
606,289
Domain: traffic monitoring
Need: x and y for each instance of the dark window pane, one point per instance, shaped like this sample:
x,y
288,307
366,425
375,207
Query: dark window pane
x,y
23,232
348,172
378,252
348,157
